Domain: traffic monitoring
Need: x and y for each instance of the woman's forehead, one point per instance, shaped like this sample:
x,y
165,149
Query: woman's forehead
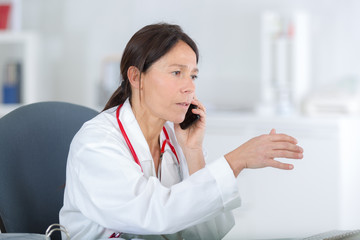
x,y
181,55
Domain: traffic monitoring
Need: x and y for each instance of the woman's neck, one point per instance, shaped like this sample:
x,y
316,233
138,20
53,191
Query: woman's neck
x,y
151,128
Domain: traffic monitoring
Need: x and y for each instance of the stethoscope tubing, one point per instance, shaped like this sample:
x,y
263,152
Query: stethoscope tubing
x,y
133,153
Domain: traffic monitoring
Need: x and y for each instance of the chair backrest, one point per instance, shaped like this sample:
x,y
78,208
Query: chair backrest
x,y
34,143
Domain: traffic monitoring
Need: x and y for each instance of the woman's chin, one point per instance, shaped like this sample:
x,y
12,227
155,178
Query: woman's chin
x,y
178,120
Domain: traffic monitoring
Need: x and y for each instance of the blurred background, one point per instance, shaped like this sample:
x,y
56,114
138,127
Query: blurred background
x,y
74,43
292,65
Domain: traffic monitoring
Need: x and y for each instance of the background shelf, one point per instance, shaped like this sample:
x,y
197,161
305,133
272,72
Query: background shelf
x,y
24,48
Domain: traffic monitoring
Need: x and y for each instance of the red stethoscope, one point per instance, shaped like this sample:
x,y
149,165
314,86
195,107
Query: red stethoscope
x,y
166,141
133,153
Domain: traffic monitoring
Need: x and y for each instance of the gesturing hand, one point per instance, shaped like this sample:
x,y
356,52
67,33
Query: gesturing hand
x,y
261,152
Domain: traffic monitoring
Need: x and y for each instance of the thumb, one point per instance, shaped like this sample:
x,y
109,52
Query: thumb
x,y
273,131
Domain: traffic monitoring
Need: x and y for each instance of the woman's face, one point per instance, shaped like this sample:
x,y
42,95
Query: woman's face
x,y
168,85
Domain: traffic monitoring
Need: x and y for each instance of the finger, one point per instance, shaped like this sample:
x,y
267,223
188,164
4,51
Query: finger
x,y
285,154
201,110
198,104
201,113
280,165
273,131
287,146
280,137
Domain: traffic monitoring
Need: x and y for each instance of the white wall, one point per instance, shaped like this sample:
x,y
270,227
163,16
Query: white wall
x,y
78,34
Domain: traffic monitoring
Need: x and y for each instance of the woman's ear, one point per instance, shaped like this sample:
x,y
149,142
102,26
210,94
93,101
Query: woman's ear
x,y
133,74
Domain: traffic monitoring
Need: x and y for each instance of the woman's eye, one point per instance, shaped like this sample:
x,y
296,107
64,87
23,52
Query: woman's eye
x,y
176,73
194,77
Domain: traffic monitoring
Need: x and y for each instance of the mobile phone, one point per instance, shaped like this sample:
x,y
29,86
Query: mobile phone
x,y
190,117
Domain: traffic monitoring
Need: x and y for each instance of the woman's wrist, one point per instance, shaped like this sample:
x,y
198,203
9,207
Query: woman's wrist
x,y
235,163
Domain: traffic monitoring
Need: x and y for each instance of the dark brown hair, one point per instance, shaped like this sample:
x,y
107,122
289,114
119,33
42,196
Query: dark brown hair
x,y
144,48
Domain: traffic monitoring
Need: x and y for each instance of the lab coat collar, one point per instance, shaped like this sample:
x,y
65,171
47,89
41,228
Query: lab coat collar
x,y
135,135
138,140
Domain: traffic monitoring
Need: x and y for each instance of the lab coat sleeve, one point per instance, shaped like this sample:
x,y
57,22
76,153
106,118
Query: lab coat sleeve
x,y
108,187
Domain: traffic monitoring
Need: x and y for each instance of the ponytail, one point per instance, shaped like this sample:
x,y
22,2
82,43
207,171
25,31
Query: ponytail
x,y
120,95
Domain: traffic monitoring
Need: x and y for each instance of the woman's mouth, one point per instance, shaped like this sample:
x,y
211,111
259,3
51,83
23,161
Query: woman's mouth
x,y
183,104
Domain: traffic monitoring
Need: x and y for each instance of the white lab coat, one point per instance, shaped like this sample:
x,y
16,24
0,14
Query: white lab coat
x,y
107,192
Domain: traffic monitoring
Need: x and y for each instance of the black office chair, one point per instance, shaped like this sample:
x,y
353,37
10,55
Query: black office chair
x,y
34,143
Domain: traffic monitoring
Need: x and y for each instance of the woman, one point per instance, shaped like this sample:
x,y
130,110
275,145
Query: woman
x,y
133,172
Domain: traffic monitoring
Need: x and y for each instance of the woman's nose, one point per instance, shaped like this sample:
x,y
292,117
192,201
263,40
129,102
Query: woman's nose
x,y
189,85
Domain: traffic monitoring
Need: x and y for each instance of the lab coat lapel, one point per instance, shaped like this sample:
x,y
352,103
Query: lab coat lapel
x,y
137,139
169,170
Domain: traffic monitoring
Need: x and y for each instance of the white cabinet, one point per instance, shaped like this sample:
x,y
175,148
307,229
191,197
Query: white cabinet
x,y
23,47
319,195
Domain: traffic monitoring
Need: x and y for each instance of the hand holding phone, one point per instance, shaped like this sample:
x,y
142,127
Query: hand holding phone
x,y
190,117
